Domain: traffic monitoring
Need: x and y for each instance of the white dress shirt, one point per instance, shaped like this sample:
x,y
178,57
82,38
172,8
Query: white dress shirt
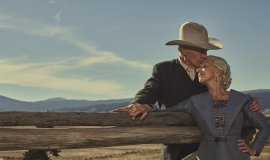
x,y
191,71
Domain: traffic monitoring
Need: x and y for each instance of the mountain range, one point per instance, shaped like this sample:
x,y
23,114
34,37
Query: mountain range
x,y
61,105
69,105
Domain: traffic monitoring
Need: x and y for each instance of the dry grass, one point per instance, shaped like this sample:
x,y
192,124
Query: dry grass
x,y
265,154
133,152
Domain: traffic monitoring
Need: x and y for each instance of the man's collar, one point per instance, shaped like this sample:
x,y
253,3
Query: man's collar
x,y
189,70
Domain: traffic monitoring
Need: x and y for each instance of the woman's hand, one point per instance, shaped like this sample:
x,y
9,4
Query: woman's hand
x,y
242,146
136,109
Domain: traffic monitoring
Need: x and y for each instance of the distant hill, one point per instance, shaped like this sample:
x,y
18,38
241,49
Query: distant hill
x,y
69,105
95,107
263,96
61,104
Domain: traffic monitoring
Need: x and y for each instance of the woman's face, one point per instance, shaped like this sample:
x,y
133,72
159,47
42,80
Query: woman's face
x,y
207,71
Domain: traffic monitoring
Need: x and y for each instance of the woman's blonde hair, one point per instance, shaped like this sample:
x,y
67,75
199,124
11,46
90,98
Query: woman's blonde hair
x,y
224,67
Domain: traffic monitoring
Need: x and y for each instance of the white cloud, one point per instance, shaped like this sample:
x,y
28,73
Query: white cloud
x,y
67,35
57,17
5,17
108,57
55,1
43,76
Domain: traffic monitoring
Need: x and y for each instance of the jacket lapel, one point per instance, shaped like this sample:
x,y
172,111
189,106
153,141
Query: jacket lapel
x,y
181,76
203,105
234,105
179,71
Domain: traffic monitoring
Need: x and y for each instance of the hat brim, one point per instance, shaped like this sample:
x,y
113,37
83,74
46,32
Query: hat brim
x,y
213,44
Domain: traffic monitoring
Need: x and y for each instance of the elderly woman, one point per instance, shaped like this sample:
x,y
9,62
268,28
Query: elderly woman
x,y
220,115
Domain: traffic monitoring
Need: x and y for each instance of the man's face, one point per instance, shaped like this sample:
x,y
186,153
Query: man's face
x,y
194,57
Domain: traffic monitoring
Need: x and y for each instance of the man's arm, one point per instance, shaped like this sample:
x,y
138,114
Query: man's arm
x,y
152,89
259,121
136,109
249,130
254,105
143,100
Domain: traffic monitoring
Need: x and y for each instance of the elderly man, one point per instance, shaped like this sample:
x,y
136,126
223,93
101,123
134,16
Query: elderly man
x,y
176,80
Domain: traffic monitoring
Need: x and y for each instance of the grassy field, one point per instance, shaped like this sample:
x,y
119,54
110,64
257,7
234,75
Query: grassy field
x,y
133,152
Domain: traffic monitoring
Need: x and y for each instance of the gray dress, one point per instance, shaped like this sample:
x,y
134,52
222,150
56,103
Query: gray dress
x,y
220,123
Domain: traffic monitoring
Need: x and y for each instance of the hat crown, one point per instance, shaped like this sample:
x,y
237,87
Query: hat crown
x,y
195,35
193,32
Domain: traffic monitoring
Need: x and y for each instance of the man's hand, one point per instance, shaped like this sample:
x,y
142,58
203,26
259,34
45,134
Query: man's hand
x,y
254,105
136,109
242,146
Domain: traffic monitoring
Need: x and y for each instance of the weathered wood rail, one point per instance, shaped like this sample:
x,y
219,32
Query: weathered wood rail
x,y
87,130
92,119
111,129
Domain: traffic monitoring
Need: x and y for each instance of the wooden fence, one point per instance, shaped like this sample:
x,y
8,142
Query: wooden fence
x,y
73,130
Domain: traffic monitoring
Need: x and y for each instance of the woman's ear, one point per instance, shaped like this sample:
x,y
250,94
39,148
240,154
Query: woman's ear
x,y
218,72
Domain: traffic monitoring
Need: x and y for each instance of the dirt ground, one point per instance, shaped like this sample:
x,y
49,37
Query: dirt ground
x,y
133,152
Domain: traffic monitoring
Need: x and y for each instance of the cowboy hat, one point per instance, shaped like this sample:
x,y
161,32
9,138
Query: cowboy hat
x,y
195,35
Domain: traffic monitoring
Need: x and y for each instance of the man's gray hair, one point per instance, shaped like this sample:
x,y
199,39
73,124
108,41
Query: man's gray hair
x,y
224,67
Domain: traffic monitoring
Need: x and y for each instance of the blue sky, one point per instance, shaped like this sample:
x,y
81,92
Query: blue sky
x,y
103,49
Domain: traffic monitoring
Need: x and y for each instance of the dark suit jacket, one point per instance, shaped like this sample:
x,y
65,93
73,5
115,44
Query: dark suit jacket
x,y
168,85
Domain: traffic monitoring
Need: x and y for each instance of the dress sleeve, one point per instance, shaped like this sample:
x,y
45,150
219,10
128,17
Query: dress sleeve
x,y
262,124
183,106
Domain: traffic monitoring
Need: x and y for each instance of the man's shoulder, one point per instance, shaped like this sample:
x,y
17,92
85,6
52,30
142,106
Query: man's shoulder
x,y
169,62
166,64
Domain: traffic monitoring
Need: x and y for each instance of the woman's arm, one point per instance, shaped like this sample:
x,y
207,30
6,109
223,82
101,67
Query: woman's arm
x,y
262,124
183,106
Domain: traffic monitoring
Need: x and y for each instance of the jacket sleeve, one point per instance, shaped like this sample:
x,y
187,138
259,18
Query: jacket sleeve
x,y
152,89
262,124
183,106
